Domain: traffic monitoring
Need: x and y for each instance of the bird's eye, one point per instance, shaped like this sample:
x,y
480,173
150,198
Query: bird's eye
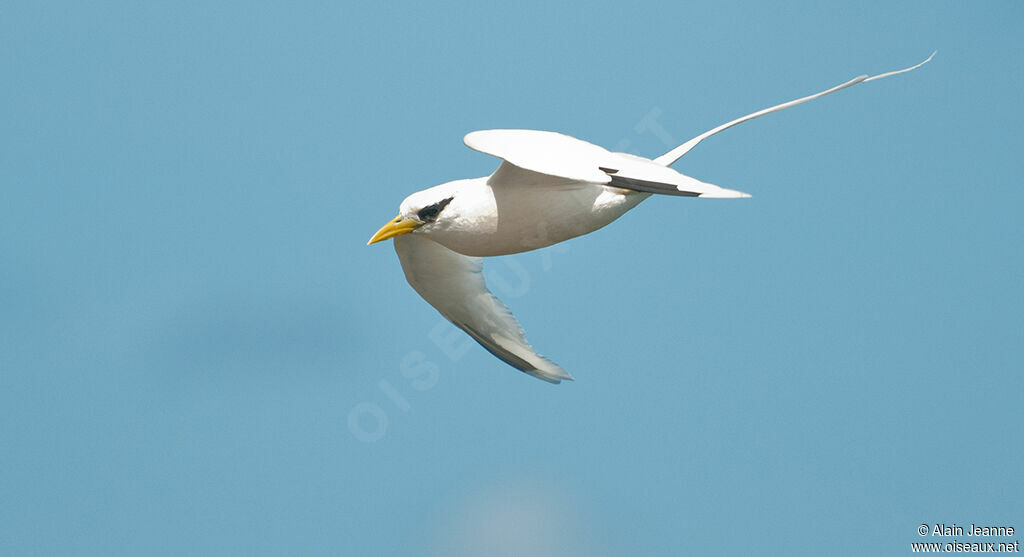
x,y
430,212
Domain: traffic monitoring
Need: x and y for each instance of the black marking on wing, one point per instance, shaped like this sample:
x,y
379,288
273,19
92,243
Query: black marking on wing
x,y
649,187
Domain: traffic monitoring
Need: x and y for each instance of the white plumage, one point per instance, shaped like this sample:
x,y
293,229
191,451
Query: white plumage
x,y
454,284
549,188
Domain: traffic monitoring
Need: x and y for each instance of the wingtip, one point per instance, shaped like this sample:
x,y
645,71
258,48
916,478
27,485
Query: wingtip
x,y
556,379
553,376
723,193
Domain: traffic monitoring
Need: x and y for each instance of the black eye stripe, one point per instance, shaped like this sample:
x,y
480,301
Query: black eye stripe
x,y
430,212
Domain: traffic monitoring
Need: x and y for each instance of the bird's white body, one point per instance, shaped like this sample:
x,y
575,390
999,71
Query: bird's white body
x,y
549,188
500,221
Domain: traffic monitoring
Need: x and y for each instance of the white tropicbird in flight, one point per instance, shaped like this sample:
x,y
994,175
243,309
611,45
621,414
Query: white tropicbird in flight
x,y
549,188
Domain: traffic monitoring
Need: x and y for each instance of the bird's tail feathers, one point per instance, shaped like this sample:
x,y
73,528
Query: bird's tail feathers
x,y
675,154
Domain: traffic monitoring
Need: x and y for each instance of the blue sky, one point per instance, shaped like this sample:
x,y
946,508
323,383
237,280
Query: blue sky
x,y
201,356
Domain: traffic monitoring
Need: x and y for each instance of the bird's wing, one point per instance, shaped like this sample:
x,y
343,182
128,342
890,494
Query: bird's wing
x,y
454,285
550,153
674,155
541,158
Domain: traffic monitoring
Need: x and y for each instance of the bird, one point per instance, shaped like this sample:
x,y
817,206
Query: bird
x,y
549,188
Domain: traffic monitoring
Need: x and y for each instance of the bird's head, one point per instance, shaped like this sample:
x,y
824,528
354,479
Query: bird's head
x,y
421,211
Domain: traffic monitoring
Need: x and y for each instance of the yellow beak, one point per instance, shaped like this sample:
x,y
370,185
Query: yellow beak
x,y
395,227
